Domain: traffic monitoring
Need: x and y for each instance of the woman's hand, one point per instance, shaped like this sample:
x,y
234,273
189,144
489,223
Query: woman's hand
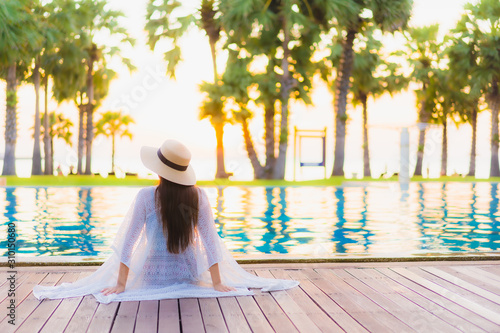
x,y
223,288
215,274
113,290
120,284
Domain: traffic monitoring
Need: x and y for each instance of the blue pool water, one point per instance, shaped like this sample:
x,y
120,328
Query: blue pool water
x,y
376,219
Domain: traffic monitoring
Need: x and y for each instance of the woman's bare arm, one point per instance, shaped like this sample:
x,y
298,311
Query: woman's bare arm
x,y
120,283
216,281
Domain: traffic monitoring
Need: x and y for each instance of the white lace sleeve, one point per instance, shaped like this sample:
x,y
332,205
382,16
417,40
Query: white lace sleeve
x,y
131,230
207,231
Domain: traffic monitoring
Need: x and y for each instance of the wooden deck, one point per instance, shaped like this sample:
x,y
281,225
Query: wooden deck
x,y
351,297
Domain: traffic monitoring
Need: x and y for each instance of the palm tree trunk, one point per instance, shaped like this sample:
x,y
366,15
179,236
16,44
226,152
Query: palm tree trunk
x,y
494,103
46,130
342,89
472,163
88,139
218,126
270,139
366,150
113,154
219,135
9,159
36,164
258,170
214,62
286,86
444,149
421,140
52,153
81,138
90,124
420,153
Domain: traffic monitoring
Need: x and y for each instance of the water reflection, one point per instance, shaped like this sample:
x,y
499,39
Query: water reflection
x,y
382,218
338,236
275,220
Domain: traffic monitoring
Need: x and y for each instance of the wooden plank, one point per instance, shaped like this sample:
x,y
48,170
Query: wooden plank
x,y
30,303
233,316
45,309
212,315
360,264
63,313
103,317
488,280
493,268
58,269
5,299
464,284
83,315
168,316
343,318
19,277
407,311
294,312
3,275
362,308
147,317
464,302
22,291
253,314
125,317
461,291
434,306
273,312
444,303
191,320
311,309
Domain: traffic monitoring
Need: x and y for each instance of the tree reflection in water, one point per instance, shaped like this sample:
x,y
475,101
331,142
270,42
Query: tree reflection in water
x,y
84,241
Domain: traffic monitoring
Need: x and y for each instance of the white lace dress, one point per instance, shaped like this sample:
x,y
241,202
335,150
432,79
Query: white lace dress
x,y
155,273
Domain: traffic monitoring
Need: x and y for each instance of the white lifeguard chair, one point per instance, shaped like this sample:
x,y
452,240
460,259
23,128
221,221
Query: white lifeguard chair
x,y
298,136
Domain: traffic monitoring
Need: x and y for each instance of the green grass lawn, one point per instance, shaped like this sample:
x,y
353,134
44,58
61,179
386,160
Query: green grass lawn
x,y
134,181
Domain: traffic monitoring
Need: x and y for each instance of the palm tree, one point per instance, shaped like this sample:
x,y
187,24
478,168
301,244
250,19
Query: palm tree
x,y
215,107
114,124
60,128
482,25
441,98
94,18
69,77
18,38
282,32
163,24
236,81
55,25
36,167
372,76
462,54
347,18
423,54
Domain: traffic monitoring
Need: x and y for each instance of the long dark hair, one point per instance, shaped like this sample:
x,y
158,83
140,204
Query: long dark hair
x,y
179,213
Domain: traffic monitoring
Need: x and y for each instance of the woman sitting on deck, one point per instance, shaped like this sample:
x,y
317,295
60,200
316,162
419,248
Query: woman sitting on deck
x,y
167,245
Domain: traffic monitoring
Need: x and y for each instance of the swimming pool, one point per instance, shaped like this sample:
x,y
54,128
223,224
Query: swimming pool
x,y
364,219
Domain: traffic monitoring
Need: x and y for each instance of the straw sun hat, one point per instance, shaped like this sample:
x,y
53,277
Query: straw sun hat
x,y
170,161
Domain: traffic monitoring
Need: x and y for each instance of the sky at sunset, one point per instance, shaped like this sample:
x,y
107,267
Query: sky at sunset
x,y
164,108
